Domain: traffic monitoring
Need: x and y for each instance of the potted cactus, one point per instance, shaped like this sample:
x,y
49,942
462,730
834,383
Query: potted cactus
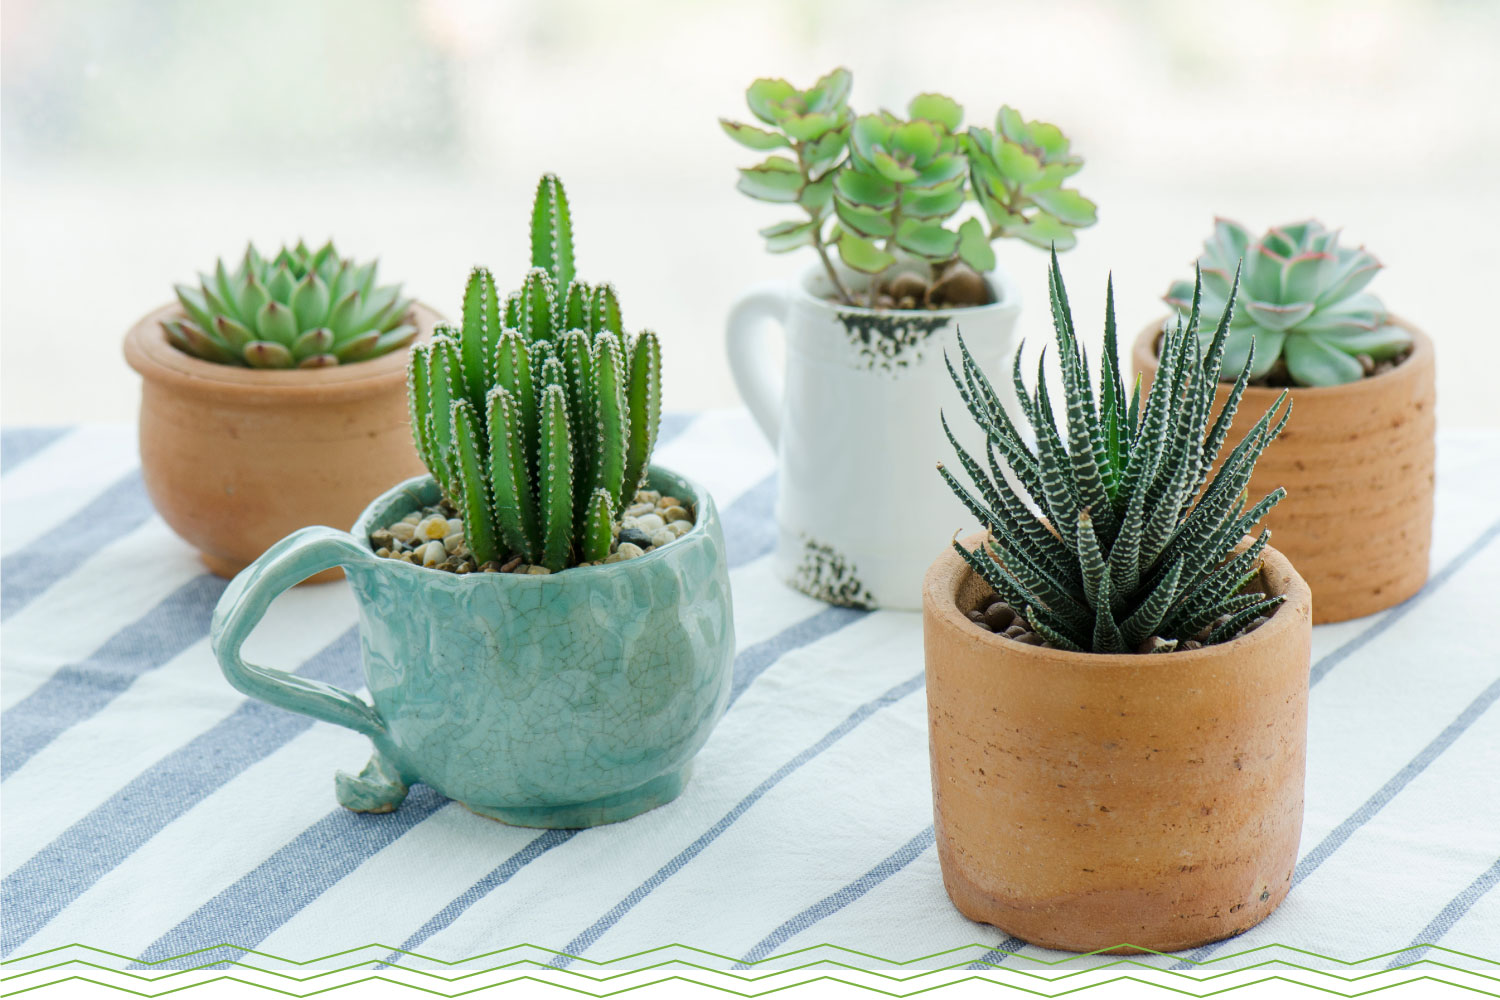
x,y
882,201
558,674
273,396
1357,459
1117,689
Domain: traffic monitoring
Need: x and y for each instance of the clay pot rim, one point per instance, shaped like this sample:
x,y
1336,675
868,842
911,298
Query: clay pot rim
x,y
948,571
1143,354
1002,286
148,351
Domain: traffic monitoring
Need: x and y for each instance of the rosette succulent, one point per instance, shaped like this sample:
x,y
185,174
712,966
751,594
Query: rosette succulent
x,y
298,309
887,191
537,416
1135,546
1302,303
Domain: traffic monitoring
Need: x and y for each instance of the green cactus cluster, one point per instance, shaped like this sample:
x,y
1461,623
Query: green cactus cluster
x,y
537,415
1302,304
1135,546
299,309
878,187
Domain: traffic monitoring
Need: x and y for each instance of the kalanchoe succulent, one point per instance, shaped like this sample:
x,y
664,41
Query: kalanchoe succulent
x,y
537,415
813,126
896,186
1017,172
1135,549
1301,302
298,309
902,181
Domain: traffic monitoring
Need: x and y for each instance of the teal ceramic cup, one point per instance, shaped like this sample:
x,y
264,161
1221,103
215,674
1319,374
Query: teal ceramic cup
x,y
563,700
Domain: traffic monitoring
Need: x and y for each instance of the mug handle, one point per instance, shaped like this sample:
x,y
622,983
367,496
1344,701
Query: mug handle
x,y
285,564
757,382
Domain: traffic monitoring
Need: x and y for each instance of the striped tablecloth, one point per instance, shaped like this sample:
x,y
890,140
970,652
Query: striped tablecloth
x,y
151,812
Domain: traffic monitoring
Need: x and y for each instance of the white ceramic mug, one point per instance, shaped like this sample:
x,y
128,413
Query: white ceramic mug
x,y
861,510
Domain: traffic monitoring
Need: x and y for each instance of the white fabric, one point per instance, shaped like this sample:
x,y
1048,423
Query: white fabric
x,y
807,820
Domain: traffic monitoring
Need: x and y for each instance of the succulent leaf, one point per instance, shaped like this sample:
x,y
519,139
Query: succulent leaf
x,y
1140,533
1303,304
287,300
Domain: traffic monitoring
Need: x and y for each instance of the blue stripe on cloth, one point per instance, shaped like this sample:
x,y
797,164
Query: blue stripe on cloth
x,y
259,921
834,902
17,444
753,661
596,930
494,880
28,571
65,869
997,954
754,526
279,888
1447,917
1340,835
76,692
1375,631
749,664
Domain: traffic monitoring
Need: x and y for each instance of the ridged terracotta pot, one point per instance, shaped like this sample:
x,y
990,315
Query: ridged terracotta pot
x,y
1356,461
236,458
1089,801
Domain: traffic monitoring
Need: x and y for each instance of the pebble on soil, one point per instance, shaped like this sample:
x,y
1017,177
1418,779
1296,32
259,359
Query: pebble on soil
x,y
434,536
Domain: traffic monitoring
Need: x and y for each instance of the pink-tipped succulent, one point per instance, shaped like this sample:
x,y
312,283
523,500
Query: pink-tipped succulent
x,y
299,309
1301,302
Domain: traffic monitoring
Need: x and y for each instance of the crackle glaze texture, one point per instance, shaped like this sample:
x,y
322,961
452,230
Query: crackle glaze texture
x,y
566,700
860,510
1356,461
234,458
1085,800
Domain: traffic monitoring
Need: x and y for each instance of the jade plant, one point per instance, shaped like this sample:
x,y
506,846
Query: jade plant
x,y
1135,546
886,191
1302,304
299,309
537,415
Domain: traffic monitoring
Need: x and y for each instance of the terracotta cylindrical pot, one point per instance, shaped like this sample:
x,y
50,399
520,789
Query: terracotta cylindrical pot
x,y
236,458
1086,801
1356,461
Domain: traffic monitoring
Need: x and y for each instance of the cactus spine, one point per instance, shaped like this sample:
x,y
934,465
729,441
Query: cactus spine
x,y
537,415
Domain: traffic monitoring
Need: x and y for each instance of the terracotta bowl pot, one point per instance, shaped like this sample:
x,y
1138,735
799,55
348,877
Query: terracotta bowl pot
x,y
236,458
1357,464
1088,801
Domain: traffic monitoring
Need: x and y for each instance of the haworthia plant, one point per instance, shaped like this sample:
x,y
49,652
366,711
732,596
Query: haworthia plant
x,y
1135,548
895,185
537,415
299,309
1302,303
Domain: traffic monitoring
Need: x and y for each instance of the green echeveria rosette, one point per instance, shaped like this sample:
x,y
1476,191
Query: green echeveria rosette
x,y
1301,301
299,309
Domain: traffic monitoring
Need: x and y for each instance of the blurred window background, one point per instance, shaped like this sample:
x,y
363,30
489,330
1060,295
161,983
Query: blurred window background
x,y
144,138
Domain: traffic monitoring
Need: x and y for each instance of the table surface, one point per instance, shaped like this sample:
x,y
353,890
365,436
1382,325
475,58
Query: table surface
x,y
151,811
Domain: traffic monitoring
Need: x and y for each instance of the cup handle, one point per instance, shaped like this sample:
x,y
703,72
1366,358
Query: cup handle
x,y
761,387
285,564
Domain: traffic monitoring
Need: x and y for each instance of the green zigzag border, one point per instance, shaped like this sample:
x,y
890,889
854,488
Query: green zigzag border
x,y
603,979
